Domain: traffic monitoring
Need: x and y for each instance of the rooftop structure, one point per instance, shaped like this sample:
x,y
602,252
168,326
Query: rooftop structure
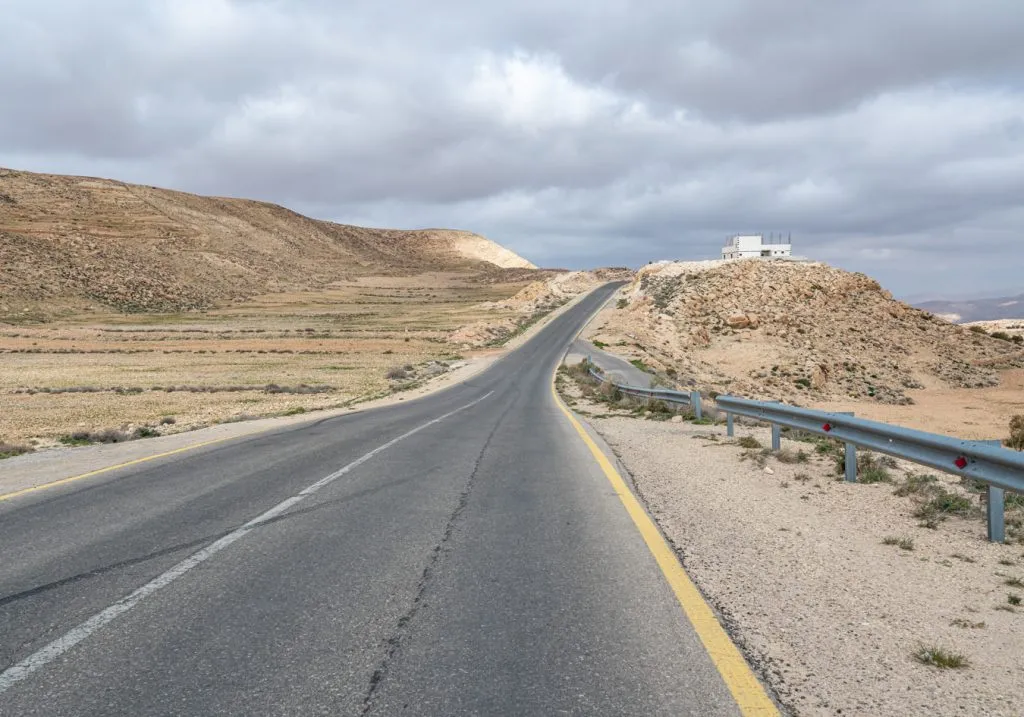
x,y
754,245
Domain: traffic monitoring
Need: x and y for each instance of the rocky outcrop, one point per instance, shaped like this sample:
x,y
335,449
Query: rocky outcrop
x,y
798,331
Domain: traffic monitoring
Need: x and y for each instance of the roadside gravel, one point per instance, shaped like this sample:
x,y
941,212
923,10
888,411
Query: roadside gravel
x,y
795,563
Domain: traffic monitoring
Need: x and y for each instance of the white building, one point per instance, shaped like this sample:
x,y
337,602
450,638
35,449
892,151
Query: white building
x,y
753,245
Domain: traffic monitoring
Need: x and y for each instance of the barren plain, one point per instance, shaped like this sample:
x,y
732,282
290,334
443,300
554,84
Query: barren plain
x,y
274,354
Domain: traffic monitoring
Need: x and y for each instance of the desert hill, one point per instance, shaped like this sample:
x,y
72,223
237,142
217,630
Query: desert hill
x,y
73,242
799,331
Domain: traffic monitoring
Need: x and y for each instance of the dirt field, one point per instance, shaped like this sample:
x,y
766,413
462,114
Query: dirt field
x,y
270,355
973,413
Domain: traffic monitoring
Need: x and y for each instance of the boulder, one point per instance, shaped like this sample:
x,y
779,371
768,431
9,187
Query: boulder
x,y
738,321
819,376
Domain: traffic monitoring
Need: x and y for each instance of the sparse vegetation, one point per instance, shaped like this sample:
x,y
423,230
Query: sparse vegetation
x,y
786,455
1014,582
638,363
901,543
1013,599
397,373
84,438
1016,439
939,504
825,446
916,485
871,468
939,657
10,450
748,442
967,624
874,469
758,457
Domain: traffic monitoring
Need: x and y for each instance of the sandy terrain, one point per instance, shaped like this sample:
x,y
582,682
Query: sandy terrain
x,y
974,413
795,563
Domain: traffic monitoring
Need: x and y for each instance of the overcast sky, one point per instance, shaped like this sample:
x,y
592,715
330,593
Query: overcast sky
x,y
887,137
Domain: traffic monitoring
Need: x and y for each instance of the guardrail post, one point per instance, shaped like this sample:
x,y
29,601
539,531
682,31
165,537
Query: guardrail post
x,y
776,437
730,429
695,404
850,458
996,524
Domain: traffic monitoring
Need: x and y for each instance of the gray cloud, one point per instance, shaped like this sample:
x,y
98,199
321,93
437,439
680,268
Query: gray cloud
x,y
886,137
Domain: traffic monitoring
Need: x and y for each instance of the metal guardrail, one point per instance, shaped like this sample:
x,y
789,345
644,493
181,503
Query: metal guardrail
x,y
689,400
999,468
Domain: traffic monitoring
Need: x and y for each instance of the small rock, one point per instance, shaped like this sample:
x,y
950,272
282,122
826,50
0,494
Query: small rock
x,y
769,471
677,419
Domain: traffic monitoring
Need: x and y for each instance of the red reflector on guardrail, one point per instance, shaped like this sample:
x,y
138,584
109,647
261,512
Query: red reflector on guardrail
x,y
961,462
827,427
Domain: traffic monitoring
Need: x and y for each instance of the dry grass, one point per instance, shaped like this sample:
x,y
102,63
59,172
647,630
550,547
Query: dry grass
x,y
1016,439
267,356
941,658
10,450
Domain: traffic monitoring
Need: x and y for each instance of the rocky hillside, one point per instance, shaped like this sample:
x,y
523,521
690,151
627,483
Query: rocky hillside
x,y
76,242
797,331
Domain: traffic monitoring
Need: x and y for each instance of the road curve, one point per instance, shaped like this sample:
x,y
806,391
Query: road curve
x,y
462,554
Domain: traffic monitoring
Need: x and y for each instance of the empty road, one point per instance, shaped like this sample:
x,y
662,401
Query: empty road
x,y
463,554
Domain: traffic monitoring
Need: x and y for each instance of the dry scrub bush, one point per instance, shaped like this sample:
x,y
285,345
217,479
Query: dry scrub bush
x,y
1016,439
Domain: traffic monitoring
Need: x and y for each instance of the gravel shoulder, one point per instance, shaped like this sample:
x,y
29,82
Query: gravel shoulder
x,y
796,565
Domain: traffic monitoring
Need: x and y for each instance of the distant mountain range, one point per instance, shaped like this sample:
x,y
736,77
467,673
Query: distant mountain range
x,y
962,312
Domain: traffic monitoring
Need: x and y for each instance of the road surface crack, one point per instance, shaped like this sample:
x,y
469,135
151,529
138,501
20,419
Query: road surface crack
x,y
437,553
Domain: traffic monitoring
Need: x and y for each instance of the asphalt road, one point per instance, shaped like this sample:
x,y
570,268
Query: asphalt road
x,y
457,555
615,367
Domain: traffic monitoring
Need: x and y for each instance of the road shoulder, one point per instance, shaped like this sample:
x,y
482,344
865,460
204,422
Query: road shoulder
x,y
801,569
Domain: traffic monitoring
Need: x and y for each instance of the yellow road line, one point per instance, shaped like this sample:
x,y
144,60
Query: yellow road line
x,y
90,474
750,696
